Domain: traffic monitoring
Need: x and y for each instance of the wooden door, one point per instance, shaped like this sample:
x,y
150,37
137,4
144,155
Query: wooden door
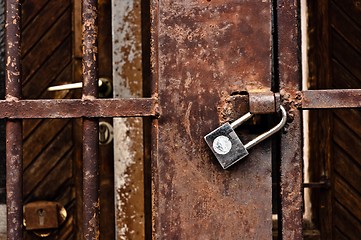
x,y
335,145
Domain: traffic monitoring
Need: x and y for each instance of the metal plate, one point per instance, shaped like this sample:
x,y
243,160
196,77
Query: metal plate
x,y
203,51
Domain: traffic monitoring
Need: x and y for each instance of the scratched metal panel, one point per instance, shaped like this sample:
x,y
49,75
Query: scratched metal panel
x,y
291,140
128,134
206,50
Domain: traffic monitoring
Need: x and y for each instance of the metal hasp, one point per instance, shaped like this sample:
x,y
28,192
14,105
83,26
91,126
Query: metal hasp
x,y
226,145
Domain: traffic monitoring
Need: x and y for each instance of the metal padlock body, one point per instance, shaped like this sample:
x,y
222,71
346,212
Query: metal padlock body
x,y
226,145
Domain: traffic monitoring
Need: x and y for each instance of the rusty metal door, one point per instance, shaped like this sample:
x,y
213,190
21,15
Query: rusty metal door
x,y
206,55
208,51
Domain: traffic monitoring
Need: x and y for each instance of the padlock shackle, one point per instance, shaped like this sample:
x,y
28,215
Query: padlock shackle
x,y
269,133
241,120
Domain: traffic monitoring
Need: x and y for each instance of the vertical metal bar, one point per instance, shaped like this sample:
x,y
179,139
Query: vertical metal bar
x,y
153,225
90,126
14,187
291,142
2,121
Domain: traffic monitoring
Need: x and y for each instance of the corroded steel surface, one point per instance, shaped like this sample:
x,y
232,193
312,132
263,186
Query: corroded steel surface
x,y
90,179
207,50
74,108
291,142
90,49
90,126
14,177
337,98
14,170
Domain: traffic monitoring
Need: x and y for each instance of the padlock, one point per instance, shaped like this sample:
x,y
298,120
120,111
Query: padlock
x,y
43,217
226,145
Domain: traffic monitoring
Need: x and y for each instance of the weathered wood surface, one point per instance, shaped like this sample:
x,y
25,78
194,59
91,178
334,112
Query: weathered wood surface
x,y
337,133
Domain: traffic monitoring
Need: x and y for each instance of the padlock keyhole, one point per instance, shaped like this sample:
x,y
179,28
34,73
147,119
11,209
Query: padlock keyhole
x,y
41,214
103,133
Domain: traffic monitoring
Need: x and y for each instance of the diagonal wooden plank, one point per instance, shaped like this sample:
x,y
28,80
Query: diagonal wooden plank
x,y
47,45
348,197
55,181
352,122
50,156
352,33
346,55
42,23
41,138
343,136
346,223
63,77
30,10
352,8
51,67
345,78
350,171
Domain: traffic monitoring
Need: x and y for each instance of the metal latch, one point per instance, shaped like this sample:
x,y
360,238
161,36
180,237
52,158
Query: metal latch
x,y
226,145
324,183
43,217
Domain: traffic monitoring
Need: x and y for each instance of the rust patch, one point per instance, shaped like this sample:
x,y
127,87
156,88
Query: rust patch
x,y
232,107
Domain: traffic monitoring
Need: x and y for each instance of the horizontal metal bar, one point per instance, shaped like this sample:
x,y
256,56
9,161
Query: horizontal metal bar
x,y
331,98
75,108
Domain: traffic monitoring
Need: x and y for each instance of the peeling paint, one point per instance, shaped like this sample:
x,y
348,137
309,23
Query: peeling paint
x,y
128,141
